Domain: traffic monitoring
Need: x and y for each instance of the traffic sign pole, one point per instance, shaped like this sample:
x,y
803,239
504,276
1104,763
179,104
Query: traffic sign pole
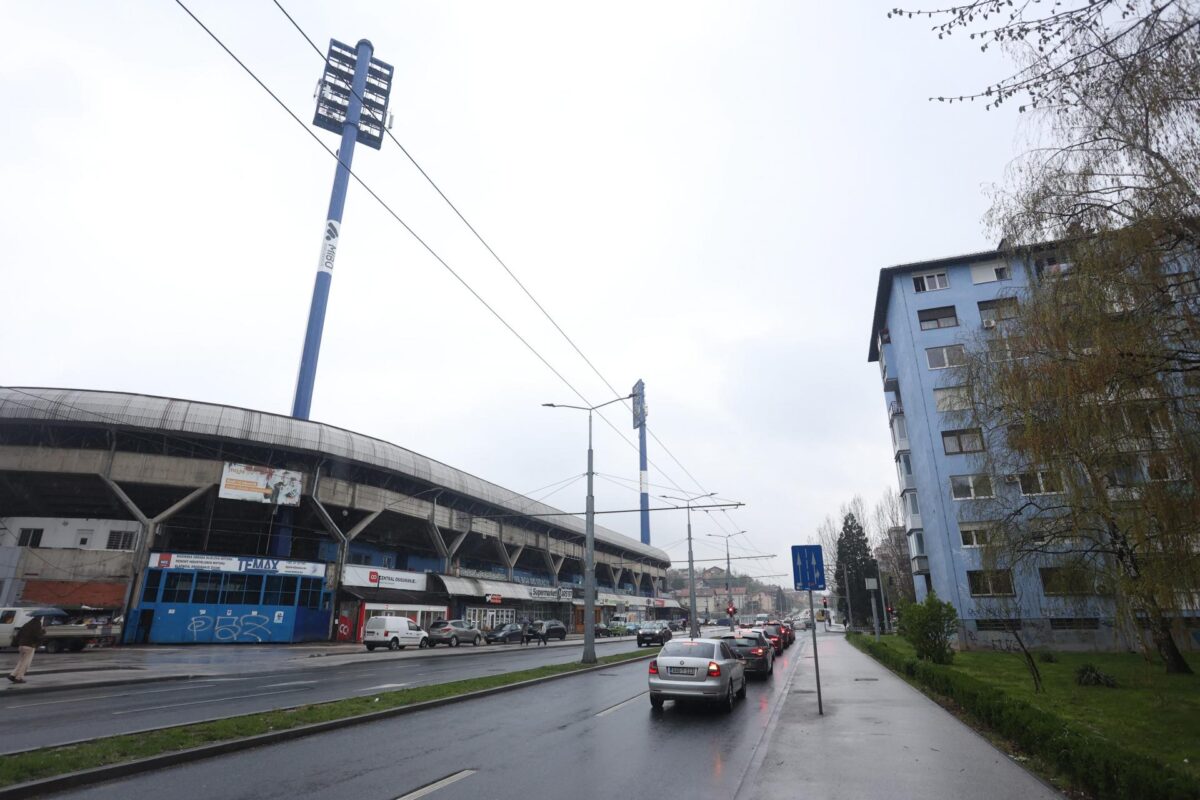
x,y
816,661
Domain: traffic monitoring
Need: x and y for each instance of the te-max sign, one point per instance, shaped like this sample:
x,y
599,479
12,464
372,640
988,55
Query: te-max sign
x,y
213,563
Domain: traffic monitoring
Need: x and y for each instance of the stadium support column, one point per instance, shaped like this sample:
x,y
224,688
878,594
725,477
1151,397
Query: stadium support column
x,y
639,422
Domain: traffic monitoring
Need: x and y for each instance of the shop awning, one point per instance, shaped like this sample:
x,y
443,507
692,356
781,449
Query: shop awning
x,y
373,594
480,587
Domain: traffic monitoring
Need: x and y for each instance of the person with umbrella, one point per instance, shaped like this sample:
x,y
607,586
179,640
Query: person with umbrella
x,y
28,637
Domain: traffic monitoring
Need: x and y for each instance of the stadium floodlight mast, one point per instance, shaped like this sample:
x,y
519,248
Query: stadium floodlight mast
x,y
589,561
352,81
693,626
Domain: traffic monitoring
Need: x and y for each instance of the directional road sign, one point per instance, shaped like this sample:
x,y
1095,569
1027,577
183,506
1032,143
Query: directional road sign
x,y
808,567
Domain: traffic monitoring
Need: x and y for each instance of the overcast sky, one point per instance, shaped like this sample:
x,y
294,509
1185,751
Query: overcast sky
x,y
702,195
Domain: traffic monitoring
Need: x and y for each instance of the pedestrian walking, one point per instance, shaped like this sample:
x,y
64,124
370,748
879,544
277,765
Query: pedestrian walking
x,y
28,637
541,634
524,634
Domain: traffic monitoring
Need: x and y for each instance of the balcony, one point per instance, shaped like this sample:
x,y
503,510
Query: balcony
x,y
895,408
913,521
890,382
907,483
920,565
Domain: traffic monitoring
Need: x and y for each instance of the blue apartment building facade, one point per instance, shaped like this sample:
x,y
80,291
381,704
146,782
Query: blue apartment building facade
x,y
924,312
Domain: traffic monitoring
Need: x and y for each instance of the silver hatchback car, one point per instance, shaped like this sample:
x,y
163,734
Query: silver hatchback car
x,y
697,669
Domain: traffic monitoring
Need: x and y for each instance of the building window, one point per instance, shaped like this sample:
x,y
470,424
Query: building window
x,y
990,583
362,559
968,440
1074,623
997,624
930,281
30,537
998,310
975,534
952,355
970,487
1042,481
150,590
1051,265
208,587
310,593
120,540
242,590
932,318
178,587
918,544
913,507
280,591
951,398
1067,581
990,272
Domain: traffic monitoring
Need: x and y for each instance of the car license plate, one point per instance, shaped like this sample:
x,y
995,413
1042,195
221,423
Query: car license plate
x,y
681,670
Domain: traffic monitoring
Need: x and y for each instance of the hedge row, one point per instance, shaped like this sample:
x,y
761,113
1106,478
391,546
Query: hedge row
x,y
1099,766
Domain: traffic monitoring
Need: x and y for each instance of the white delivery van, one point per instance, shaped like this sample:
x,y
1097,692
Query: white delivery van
x,y
395,633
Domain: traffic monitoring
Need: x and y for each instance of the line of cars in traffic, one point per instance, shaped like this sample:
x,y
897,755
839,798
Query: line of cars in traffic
x,y
398,633
716,669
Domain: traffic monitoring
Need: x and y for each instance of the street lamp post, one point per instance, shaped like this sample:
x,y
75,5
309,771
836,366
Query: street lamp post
x,y
589,563
693,625
728,571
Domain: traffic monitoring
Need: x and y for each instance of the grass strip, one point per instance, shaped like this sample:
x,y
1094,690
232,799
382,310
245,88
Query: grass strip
x,y
1079,735
51,761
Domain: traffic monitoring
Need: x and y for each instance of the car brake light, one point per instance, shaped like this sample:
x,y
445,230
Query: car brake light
x,y
756,651
714,669
654,666
774,638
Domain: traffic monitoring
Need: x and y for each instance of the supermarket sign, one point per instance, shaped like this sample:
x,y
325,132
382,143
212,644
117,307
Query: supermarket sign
x,y
383,578
252,564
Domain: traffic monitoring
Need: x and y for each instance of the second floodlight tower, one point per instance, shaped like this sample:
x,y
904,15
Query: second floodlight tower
x,y
639,422
353,82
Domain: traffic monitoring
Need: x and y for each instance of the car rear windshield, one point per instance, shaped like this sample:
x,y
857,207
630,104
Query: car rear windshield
x,y
771,630
740,641
689,649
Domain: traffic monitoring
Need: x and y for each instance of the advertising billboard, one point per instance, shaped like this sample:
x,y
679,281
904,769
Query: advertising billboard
x,y
280,487
353,575
215,563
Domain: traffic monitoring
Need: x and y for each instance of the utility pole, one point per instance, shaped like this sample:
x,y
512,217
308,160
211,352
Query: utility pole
x,y
728,572
849,602
693,624
589,561
639,422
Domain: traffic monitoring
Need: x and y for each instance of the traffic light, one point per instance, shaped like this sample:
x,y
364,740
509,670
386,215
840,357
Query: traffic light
x,y
731,610
824,602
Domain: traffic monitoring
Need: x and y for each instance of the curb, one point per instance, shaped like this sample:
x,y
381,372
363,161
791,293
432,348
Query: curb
x,y
109,772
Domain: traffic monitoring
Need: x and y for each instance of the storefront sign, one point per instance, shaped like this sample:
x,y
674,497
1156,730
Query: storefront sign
x,y
550,594
494,599
280,487
253,564
383,578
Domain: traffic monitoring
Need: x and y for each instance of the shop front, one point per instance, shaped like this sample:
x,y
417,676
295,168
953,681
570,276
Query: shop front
x,y
369,592
490,604
211,599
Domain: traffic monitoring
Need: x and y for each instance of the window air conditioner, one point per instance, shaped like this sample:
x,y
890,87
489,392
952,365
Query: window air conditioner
x,y
989,323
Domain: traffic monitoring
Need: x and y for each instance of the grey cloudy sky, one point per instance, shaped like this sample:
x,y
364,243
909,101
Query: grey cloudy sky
x,y
701,193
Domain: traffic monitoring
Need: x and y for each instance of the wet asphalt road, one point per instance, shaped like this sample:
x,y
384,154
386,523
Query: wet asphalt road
x,y
591,735
39,720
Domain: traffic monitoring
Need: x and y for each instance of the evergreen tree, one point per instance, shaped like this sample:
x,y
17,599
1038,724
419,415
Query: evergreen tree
x,y
854,560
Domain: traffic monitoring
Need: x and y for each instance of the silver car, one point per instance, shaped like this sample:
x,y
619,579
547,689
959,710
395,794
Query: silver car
x,y
697,669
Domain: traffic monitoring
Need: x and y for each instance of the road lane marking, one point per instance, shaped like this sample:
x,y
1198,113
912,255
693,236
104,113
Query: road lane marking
x,y
429,789
106,696
384,686
621,704
199,702
288,683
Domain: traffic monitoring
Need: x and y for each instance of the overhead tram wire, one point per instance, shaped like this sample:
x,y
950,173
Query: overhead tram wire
x,y
511,274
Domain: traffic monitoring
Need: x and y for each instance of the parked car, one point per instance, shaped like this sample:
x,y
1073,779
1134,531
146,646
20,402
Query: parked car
x,y
631,628
453,632
697,669
754,648
394,633
653,633
603,630
512,632
675,625
552,628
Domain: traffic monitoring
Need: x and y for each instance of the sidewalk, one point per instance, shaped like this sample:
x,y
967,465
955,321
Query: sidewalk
x,y
879,738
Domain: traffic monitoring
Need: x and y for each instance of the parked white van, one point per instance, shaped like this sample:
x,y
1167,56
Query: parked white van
x,y
395,633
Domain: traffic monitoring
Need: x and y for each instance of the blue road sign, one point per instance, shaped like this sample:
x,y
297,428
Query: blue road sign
x,y
808,567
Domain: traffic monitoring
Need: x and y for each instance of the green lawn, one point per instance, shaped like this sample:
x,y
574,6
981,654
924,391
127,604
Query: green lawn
x,y
50,761
1151,713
